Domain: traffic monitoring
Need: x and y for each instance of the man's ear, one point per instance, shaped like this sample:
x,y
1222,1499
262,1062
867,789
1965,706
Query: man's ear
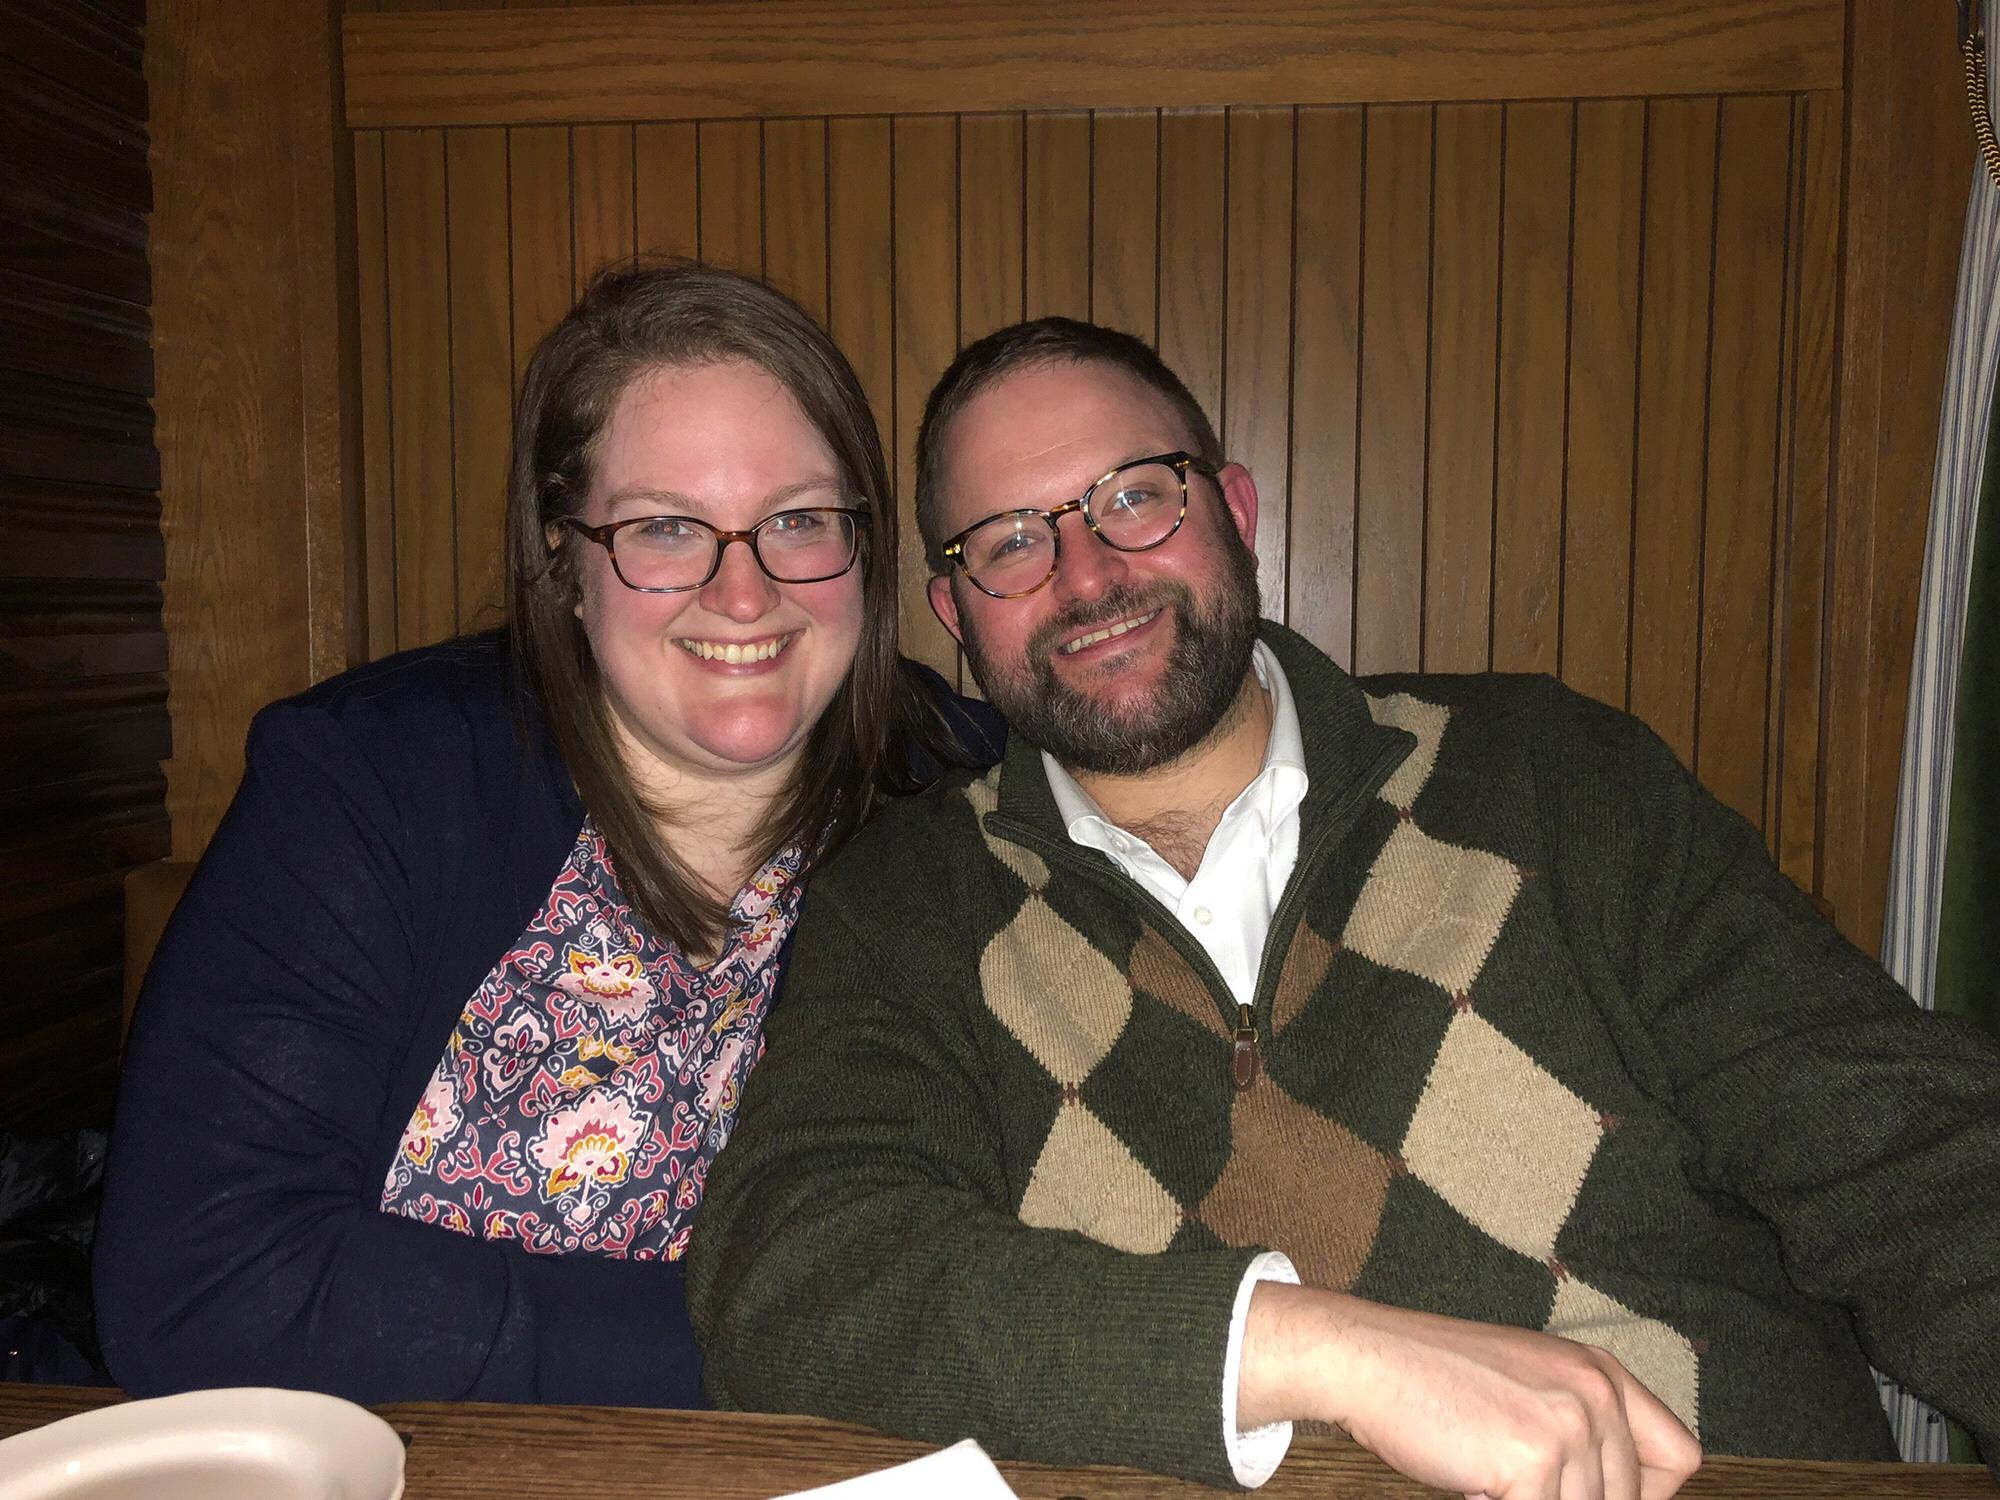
x,y
1239,498
944,605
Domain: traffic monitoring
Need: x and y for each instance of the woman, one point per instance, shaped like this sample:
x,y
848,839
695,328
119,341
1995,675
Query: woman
x,y
433,1059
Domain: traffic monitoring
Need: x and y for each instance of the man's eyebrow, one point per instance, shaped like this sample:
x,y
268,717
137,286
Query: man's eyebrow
x,y
673,502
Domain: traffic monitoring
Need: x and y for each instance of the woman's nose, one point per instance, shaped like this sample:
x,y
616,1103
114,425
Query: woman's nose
x,y
740,589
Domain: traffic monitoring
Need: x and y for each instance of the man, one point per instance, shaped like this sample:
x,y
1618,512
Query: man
x,y
1584,1137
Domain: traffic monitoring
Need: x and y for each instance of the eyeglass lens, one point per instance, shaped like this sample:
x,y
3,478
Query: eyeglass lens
x,y
796,546
1133,509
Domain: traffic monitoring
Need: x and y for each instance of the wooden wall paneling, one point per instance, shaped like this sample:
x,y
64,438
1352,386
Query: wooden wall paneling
x,y
378,485
992,219
1057,268
1125,222
480,272
601,199
1739,522
1679,234
925,194
1816,260
420,385
1907,173
73,333
1395,356
732,194
704,59
1326,334
666,189
1193,180
247,318
539,232
1534,376
1257,338
1464,360
1602,401
795,210
861,264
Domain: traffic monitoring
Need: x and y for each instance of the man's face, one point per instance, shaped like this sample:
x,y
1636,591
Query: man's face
x,y
1107,704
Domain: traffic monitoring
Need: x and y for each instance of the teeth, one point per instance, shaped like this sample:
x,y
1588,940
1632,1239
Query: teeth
x,y
1106,633
733,653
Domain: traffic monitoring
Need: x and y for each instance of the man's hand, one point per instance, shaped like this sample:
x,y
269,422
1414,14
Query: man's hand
x,y
1471,1407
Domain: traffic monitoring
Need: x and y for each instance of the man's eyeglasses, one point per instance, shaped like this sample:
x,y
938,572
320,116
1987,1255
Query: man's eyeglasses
x,y
670,554
1134,508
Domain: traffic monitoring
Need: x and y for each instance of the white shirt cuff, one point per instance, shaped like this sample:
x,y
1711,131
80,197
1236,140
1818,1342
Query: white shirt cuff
x,y
1254,1456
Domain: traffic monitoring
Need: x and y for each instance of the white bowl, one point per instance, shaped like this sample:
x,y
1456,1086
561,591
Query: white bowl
x,y
247,1444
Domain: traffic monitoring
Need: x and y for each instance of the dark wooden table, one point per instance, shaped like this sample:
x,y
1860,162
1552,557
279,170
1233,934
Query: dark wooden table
x,y
473,1452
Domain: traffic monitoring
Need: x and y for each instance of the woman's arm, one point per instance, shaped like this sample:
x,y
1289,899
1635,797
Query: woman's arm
x,y
241,1240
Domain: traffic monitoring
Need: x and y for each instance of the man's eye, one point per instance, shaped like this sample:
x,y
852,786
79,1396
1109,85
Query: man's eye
x,y
1136,497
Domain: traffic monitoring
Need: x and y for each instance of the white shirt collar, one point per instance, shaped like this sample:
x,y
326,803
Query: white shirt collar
x,y
1284,752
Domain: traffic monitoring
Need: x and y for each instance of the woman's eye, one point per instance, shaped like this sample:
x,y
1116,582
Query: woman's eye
x,y
797,523
665,529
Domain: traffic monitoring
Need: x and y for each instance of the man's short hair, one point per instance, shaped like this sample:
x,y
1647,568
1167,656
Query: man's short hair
x,y
1031,345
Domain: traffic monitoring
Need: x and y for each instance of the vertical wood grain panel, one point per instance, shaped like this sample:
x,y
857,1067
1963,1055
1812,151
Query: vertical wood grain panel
x,y
732,195
1326,333
1257,352
1817,260
990,223
378,488
482,363
1464,354
926,220
795,210
1058,215
1603,373
601,193
1534,350
666,189
1193,181
1395,353
1673,407
861,312
420,393
538,214
1125,218
1742,450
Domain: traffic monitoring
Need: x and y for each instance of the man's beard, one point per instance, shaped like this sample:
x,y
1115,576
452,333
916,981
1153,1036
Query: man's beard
x,y
1203,677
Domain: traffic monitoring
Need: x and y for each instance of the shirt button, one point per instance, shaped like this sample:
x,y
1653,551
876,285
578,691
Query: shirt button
x,y
1120,842
1203,915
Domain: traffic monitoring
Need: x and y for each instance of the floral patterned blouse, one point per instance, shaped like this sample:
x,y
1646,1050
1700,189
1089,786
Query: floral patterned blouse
x,y
595,1072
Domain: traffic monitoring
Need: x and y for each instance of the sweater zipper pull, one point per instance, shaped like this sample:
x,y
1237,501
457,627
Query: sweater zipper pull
x,y
1243,1055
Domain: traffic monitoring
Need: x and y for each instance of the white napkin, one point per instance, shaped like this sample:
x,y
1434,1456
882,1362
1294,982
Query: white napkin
x,y
962,1470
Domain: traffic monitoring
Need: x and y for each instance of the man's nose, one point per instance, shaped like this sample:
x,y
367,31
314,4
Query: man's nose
x,y
1089,565
740,590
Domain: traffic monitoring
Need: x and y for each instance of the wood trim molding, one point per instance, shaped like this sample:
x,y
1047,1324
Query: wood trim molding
x,y
712,59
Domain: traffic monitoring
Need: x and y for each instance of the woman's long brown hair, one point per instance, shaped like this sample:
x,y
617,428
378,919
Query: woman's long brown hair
x,y
635,319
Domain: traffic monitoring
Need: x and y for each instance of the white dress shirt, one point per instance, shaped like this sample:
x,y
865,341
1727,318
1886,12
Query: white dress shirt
x,y
1227,907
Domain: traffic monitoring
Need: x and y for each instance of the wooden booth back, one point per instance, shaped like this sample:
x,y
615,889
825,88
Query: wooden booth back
x,y
1522,314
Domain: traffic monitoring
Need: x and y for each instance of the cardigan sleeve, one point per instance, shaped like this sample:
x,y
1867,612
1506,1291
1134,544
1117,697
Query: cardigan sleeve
x,y
241,1241
857,1254
1865,1130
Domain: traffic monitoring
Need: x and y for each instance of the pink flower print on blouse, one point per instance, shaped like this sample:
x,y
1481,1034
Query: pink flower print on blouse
x,y
516,1051
615,982
435,1118
587,1150
595,1071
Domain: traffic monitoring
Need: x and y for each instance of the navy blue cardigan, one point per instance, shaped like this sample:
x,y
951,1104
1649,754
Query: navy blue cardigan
x,y
396,828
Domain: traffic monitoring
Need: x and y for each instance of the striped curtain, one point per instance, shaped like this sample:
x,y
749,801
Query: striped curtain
x,y
1947,797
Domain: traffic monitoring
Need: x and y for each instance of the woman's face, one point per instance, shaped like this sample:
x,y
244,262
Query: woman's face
x,y
727,444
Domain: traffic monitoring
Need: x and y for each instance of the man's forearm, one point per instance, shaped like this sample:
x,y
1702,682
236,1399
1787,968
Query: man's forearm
x,y
1464,1406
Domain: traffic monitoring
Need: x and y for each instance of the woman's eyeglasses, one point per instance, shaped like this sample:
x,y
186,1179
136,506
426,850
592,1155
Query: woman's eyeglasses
x,y
670,554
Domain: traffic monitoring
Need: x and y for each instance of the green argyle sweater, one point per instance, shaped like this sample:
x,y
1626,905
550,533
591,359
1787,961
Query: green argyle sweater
x,y
1541,1037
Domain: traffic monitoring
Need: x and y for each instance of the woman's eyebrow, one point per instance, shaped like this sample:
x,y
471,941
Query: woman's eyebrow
x,y
645,500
